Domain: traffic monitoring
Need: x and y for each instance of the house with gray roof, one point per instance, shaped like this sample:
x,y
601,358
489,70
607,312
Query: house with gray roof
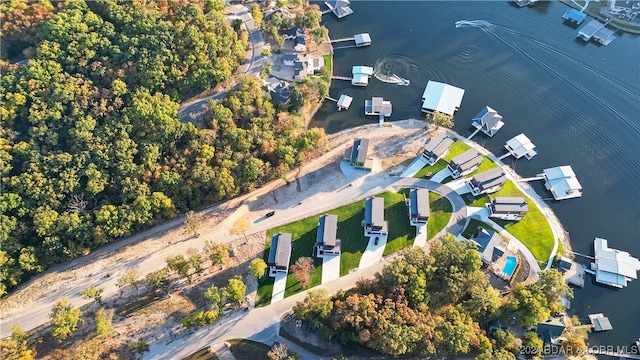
x,y
487,182
289,59
490,245
551,331
465,163
437,148
374,223
279,90
357,154
508,208
327,241
488,121
419,210
279,254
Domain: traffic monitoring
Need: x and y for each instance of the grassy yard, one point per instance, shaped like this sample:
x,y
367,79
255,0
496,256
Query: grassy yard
x,y
471,229
457,148
327,62
243,349
441,211
429,171
401,233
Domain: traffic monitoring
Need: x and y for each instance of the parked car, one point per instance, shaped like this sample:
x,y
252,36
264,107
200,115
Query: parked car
x,y
270,213
375,241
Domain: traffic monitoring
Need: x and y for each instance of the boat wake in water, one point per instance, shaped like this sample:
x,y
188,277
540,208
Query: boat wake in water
x,y
473,23
387,69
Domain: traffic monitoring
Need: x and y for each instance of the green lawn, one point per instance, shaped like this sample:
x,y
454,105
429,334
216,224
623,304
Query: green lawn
x,y
327,62
457,148
429,171
533,230
441,211
473,227
243,349
401,233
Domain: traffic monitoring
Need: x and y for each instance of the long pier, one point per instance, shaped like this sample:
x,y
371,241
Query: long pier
x,y
331,99
343,39
345,78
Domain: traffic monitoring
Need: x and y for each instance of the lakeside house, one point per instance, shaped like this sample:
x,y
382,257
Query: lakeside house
x,y
508,208
441,97
374,223
298,36
340,8
437,148
344,102
357,154
279,254
327,242
307,66
378,106
362,39
279,90
465,163
520,146
613,267
551,331
488,121
490,245
487,182
289,59
419,210
562,182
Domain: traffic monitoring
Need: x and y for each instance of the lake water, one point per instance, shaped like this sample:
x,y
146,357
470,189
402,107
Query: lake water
x,y
578,102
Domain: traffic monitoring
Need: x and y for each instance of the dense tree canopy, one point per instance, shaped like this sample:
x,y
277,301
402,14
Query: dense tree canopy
x,y
91,148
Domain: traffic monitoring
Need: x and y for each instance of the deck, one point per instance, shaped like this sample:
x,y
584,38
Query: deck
x,y
597,31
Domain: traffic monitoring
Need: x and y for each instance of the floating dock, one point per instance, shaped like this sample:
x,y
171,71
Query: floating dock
x,y
522,3
344,102
599,322
597,31
574,16
613,267
340,8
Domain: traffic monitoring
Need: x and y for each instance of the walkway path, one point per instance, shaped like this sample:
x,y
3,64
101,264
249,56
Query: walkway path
x,y
421,236
418,163
279,286
330,268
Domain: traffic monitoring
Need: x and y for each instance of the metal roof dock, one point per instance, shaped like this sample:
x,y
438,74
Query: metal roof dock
x,y
597,31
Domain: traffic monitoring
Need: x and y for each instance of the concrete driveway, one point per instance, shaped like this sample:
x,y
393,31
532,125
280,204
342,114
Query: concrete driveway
x,y
279,285
415,166
373,253
421,236
441,175
330,267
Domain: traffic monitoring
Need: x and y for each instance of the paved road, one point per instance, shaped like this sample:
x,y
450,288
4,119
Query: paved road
x,y
193,110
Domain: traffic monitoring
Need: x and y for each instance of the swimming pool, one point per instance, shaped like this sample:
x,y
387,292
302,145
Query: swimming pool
x,y
510,265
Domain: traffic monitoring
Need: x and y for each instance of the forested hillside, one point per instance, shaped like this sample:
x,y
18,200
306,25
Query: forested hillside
x,y
91,148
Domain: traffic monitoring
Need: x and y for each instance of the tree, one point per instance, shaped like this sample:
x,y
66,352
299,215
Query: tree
x,y
65,319
129,278
214,297
235,290
533,344
257,267
19,346
440,119
316,307
529,305
240,227
278,352
256,14
94,293
103,322
158,280
551,283
296,100
574,346
266,52
180,265
193,222
218,252
301,269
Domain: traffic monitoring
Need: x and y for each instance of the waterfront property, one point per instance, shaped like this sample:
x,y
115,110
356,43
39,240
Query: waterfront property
x,y
487,182
551,331
437,148
465,163
357,154
510,208
520,146
488,121
340,8
441,97
279,90
362,39
597,31
562,182
279,254
419,209
344,102
599,322
374,223
490,245
326,237
613,267
574,16
378,106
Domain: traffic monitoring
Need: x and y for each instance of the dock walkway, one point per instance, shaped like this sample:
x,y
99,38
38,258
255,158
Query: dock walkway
x,y
343,39
345,78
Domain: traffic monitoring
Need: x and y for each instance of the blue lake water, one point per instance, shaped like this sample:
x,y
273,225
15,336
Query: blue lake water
x,y
578,102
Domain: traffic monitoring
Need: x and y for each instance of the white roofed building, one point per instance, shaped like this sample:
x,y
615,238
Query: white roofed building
x,y
520,146
441,97
613,267
562,182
